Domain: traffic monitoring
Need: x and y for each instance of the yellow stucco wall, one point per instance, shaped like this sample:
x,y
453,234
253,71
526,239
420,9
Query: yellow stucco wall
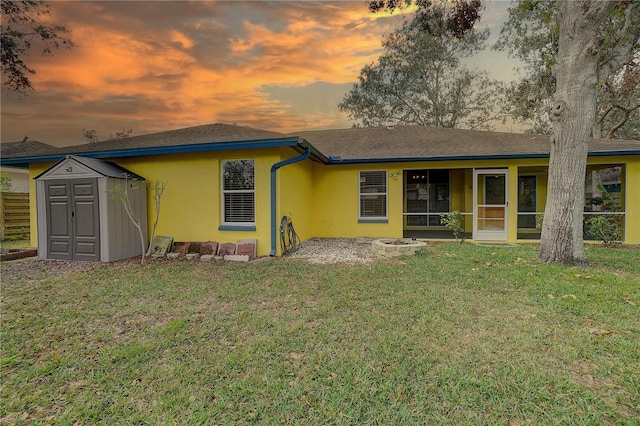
x,y
191,203
632,200
35,169
321,200
295,196
335,211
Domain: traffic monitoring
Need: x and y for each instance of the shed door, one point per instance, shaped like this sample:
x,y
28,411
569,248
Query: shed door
x,y
73,231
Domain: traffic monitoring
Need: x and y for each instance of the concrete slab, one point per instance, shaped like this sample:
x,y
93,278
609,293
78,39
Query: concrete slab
x,y
207,258
161,245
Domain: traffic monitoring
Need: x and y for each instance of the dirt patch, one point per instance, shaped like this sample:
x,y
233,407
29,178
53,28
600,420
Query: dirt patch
x,y
33,269
15,254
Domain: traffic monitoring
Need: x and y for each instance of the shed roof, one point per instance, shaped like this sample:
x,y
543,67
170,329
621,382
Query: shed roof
x,y
104,168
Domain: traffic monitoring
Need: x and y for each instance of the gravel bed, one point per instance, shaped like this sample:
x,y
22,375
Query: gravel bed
x,y
314,250
336,250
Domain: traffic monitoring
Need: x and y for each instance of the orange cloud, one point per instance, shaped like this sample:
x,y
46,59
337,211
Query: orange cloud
x,y
155,65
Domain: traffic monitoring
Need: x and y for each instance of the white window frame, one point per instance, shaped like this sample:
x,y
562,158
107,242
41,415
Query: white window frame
x,y
384,218
224,192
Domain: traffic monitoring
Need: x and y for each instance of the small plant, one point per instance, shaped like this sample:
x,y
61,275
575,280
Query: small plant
x,y
454,222
157,189
5,184
539,220
606,228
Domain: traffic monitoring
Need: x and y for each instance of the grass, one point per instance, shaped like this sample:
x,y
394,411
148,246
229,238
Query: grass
x,y
459,335
6,245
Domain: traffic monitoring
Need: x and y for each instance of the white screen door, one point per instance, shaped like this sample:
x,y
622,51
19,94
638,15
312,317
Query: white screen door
x,y
490,204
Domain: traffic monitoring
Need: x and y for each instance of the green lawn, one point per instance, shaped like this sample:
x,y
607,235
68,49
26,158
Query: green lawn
x,y
460,335
6,245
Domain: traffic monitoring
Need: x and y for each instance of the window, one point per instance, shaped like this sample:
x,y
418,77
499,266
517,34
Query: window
x,y
373,195
427,195
527,202
238,193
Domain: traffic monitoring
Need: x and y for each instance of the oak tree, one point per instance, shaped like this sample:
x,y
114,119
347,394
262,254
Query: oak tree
x,y
24,26
531,34
420,78
585,59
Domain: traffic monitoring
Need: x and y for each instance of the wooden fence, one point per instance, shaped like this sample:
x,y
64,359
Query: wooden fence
x,y
14,215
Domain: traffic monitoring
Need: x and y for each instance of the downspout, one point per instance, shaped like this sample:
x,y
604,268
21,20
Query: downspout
x,y
274,168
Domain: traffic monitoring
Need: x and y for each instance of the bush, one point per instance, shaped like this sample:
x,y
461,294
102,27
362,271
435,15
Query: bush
x,y
605,228
455,222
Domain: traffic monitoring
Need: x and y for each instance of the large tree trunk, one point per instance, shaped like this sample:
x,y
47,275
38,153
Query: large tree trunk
x,y
574,112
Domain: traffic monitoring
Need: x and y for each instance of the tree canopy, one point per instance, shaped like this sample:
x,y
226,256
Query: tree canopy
x,y
531,34
22,25
92,136
420,79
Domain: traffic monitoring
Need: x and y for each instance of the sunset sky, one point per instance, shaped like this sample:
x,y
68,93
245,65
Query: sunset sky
x,y
160,65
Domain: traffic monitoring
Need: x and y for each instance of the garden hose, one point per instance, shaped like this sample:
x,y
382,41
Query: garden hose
x,y
289,240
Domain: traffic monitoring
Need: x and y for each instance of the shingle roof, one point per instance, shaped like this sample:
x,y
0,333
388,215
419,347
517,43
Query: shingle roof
x,y
209,133
369,144
417,142
14,149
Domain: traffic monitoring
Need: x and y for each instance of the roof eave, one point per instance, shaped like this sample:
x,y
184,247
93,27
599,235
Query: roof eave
x,y
337,160
160,150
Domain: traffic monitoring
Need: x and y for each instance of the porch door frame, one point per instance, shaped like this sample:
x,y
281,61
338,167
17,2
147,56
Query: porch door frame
x,y
481,232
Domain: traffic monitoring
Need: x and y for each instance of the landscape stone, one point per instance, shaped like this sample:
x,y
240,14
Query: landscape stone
x,y
210,247
236,258
226,248
247,246
180,247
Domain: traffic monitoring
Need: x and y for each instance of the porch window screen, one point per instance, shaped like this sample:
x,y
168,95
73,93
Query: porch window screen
x,y
373,194
238,192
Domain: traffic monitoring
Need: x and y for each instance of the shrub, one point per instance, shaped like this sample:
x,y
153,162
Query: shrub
x,y
605,228
455,222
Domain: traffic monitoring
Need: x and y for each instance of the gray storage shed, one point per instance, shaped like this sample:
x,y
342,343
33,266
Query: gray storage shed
x,y
80,218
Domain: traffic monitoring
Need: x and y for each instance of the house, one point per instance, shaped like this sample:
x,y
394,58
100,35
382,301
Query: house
x,y
19,176
227,182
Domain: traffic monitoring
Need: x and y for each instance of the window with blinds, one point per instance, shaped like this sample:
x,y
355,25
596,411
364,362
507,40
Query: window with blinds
x,y
238,192
373,195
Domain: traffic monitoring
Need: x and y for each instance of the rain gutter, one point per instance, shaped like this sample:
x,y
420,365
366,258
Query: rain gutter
x,y
274,169
153,150
335,160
